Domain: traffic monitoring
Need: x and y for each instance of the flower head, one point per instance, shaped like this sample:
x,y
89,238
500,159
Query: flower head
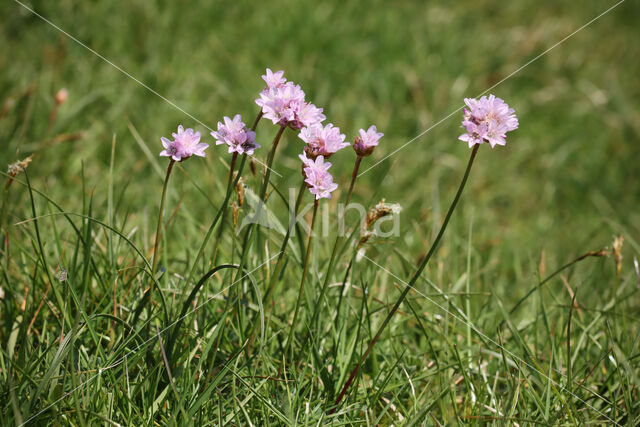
x,y
185,144
17,167
235,134
322,140
317,177
284,104
487,119
304,114
274,80
367,141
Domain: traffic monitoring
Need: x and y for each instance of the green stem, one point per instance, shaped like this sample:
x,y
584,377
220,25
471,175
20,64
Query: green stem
x,y
263,192
215,220
280,262
225,210
273,280
302,279
154,264
413,280
334,252
255,123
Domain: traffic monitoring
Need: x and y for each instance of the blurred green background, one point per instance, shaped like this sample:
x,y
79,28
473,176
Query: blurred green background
x,y
567,180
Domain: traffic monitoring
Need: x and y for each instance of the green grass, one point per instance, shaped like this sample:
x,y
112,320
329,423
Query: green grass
x,y
461,348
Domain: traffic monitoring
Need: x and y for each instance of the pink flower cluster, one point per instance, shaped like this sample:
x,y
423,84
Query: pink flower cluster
x,y
317,177
322,140
367,141
284,103
235,134
185,144
487,120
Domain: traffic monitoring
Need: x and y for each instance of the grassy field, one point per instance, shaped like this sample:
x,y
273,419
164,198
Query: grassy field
x,y
483,337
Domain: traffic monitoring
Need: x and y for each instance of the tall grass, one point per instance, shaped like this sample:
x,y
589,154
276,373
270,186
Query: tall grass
x,y
532,319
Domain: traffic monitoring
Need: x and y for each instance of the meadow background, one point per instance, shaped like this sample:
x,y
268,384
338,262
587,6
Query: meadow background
x,y
567,182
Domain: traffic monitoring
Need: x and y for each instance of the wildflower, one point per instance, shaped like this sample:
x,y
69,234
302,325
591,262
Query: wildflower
x,y
235,134
367,141
317,177
19,166
185,144
285,105
322,141
305,114
61,96
487,120
274,80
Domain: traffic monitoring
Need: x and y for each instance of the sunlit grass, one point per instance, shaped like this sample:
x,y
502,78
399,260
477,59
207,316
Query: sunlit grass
x,y
461,348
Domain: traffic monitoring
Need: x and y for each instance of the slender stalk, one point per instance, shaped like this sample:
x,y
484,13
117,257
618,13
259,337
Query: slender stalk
x,y
302,279
272,154
334,252
224,212
255,123
154,264
263,192
215,220
273,280
280,262
413,280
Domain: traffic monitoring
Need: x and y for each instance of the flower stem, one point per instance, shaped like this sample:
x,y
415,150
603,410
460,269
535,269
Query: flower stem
x,y
334,252
224,212
302,279
413,280
263,192
255,123
273,280
280,262
272,154
215,220
154,264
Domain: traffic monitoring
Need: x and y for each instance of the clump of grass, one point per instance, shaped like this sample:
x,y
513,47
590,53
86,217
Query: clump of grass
x,y
201,318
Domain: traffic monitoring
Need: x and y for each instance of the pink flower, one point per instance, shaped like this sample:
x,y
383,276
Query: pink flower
x,y
487,120
317,177
185,144
322,141
235,134
305,114
367,141
277,102
284,104
274,80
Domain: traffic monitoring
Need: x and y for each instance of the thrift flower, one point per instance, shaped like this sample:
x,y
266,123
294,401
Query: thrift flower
x,y
367,141
322,141
185,144
274,80
317,177
285,105
487,120
305,114
235,134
